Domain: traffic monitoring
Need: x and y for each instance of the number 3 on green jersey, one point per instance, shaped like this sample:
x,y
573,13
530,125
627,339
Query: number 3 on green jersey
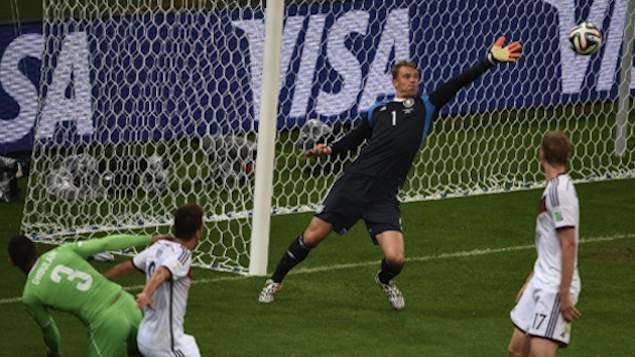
x,y
84,280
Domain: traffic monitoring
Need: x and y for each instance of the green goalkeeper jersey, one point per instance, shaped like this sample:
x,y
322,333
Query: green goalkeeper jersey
x,y
62,279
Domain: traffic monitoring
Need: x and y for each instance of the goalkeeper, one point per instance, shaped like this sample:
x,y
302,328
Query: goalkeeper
x,y
368,189
62,279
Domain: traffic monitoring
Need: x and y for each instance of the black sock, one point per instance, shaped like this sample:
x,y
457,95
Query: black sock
x,y
292,257
388,272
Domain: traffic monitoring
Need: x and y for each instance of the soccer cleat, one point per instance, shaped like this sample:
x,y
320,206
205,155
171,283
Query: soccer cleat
x,y
394,295
268,291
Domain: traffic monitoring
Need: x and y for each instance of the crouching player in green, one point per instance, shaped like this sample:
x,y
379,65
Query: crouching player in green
x,y
62,279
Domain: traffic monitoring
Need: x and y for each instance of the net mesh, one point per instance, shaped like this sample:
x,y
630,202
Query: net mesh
x,y
147,105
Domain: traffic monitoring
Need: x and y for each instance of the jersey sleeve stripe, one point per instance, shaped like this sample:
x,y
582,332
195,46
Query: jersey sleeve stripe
x,y
551,200
183,259
553,193
183,253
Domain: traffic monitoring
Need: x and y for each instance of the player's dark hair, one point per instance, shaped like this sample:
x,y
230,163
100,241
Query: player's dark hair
x,y
403,63
22,252
556,148
187,220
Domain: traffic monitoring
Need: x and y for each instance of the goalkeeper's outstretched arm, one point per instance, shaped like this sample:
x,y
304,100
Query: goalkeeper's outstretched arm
x,y
348,142
497,53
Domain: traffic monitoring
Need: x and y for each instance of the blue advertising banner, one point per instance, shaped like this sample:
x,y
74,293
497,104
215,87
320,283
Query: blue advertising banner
x,y
20,61
154,76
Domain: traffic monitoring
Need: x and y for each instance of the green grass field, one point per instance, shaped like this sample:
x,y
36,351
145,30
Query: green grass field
x,y
457,304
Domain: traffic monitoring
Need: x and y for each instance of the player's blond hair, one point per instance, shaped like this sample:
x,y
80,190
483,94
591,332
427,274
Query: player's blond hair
x,y
556,148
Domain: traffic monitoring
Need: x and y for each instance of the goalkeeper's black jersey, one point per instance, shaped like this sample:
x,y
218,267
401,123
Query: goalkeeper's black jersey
x,y
396,129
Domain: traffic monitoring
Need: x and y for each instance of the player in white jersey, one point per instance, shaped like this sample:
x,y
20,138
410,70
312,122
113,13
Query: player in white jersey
x,y
545,305
168,279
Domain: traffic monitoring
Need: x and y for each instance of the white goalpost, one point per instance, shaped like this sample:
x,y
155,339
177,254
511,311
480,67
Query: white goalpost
x,y
146,105
263,190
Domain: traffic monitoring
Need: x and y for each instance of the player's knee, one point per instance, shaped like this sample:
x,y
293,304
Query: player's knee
x,y
312,238
396,260
542,352
515,349
315,233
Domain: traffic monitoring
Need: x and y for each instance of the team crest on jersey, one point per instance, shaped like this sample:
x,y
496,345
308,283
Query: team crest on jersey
x,y
408,103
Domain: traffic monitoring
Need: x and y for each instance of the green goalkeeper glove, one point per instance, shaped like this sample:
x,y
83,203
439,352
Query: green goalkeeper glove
x,y
509,53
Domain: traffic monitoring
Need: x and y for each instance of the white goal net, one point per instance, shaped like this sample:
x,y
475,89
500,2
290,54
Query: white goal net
x,y
147,105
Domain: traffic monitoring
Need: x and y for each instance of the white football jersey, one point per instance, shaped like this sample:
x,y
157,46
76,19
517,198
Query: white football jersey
x,y
163,325
559,208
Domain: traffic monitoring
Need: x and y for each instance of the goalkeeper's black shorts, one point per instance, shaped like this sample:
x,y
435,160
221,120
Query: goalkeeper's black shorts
x,y
354,197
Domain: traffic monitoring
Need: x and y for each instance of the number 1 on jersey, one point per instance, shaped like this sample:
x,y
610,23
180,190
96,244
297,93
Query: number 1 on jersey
x,y
394,118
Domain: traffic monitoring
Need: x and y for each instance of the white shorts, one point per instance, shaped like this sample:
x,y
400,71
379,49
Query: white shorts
x,y
538,314
183,347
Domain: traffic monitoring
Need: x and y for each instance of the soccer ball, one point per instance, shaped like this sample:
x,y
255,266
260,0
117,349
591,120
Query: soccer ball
x,y
585,39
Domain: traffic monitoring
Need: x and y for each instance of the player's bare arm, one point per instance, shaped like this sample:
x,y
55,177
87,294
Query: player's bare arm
x,y
127,267
567,243
145,297
119,270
